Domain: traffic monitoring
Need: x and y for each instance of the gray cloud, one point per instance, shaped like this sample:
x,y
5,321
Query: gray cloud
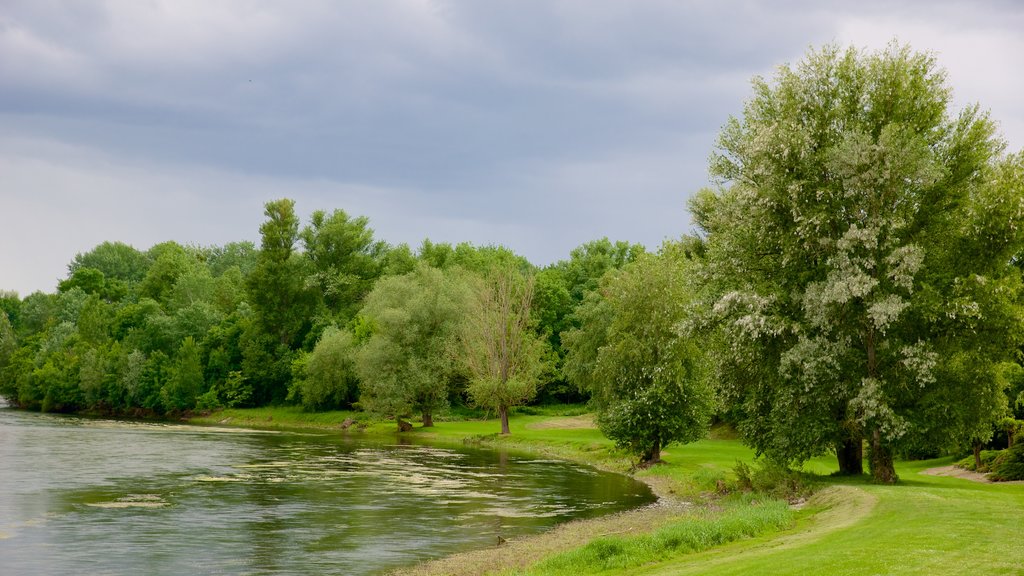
x,y
538,125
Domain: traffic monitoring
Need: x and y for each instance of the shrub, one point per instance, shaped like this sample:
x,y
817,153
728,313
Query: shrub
x,y
988,461
1010,466
772,479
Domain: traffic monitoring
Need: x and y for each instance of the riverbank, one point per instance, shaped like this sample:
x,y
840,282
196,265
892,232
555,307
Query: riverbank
x,y
686,488
927,525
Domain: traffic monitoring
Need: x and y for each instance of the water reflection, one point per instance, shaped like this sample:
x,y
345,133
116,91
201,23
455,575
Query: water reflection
x,y
102,497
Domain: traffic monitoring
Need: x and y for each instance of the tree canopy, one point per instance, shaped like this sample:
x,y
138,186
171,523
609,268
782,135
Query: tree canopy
x,y
646,374
859,254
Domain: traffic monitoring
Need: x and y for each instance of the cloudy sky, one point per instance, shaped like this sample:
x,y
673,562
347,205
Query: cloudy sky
x,y
537,125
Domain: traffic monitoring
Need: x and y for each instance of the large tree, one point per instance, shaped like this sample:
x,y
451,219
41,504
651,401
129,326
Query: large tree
x,y
645,374
407,363
858,249
282,303
502,353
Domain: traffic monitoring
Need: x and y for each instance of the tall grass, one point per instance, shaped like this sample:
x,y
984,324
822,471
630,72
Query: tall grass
x,y
744,517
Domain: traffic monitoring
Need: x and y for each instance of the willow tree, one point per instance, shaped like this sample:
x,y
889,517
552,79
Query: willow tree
x,y
406,364
502,353
859,250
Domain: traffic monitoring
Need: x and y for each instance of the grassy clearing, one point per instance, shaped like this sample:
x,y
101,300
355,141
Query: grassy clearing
x,y
926,525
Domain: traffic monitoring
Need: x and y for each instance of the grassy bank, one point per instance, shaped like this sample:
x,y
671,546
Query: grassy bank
x,y
925,525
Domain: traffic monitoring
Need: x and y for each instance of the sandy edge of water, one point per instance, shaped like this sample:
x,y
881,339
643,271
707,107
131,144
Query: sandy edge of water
x,y
522,552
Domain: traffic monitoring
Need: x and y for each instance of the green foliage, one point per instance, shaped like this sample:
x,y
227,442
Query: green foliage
x,y
8,348
114,260
988,459
398,260
773,479
862,287
239,255
502,354
1010,466
170,262
646,377
185,384
345,259
277,291
406,363
325,378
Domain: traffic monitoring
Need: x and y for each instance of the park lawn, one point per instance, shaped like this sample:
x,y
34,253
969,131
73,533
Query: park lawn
x,y
927,525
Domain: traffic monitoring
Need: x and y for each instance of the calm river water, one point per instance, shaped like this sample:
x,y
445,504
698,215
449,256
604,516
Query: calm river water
x,y
81,496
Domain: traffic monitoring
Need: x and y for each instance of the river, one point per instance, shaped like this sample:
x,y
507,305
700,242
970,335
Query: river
x,y
85,496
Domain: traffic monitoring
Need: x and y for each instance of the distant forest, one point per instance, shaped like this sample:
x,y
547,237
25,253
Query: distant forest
x,y
176,328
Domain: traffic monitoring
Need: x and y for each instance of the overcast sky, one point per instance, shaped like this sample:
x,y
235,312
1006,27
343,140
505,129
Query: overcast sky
x,y
537,125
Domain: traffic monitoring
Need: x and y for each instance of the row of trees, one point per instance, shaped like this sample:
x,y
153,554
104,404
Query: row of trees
x,y
855,279
322,315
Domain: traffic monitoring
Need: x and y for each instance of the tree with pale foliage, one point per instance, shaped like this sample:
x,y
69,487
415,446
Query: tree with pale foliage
x,y
859,253
406,365
645,373
502,353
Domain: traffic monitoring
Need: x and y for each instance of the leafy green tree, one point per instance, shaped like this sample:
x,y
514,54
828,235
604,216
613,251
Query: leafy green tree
x,y
326,377
10,303
8,347
37,311
500,350
185,384
95,320
241,255
560,290
345,259
858,250
406,363
589,262
646,376
171,261
115,260
398,260
282,305
89,280
156,373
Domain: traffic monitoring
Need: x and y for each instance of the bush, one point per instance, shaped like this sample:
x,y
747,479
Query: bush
x,y
772,479
988,461
1010,466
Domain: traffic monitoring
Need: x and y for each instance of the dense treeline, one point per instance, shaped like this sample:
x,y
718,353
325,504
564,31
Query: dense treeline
x,y
323,315
855,281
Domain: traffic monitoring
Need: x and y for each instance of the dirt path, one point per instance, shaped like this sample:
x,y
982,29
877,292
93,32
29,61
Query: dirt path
x,y
565,423
954,472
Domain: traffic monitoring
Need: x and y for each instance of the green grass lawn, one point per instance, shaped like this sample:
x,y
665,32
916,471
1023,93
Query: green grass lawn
x,y
927,525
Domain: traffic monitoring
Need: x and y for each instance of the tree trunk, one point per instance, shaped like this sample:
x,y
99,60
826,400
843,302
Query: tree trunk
x,y
1009,439
977,456
503,414
882,469
850,453
652,456
428,419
